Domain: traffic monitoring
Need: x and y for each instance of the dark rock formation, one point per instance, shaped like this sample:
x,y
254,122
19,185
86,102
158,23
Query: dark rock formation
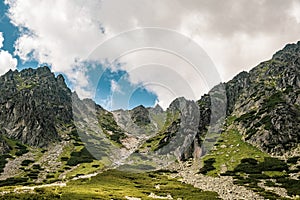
x,y
140,115
4,147
266,102
33,103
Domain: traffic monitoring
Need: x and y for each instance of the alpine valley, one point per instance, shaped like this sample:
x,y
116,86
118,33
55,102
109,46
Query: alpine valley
x,y
239,141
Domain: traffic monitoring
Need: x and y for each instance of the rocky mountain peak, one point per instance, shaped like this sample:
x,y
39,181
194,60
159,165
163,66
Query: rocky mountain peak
x,y
290,53
33,102
140,115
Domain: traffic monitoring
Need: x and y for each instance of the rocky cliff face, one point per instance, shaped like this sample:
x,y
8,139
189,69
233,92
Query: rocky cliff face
x,y
266,102
140,116
32,105
4,147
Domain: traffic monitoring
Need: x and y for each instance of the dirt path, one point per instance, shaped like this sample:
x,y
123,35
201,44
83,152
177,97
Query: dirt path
x,y
28,188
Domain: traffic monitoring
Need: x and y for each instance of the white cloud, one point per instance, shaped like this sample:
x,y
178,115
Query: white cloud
x,y
7,62
1,40
295,11
114,86
60,33
166,75
237,35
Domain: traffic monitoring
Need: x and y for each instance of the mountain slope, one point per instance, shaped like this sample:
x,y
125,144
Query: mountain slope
x,y
33,105
267,108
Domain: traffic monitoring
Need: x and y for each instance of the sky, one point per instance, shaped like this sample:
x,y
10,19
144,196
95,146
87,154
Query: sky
x,y
123,53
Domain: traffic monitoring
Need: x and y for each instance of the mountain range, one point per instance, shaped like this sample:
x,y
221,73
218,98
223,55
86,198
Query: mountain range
x,y
47,133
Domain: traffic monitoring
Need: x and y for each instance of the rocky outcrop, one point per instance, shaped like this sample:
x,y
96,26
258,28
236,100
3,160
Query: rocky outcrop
x,y
180,133
140,115
266,102
4,147
156,110
33,103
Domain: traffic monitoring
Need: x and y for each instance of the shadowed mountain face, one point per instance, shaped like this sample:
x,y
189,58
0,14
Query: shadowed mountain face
x,y
36,106
266,102
140,116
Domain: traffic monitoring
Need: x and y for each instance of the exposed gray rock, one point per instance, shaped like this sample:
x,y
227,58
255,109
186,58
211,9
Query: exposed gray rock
x,y
140,116
32,103
267,106
4,147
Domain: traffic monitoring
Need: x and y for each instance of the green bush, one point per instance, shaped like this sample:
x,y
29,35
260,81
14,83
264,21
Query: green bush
x,y
13,181
82,156
64,158
2,163
33,174
251,161
26,162
36,166
22,149
273,164
291,185
270,184
50,176
248,168
293,160
258,176
208,166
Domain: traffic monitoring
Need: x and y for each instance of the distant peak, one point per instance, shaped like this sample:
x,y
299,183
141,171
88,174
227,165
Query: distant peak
x,y
139,107
289,53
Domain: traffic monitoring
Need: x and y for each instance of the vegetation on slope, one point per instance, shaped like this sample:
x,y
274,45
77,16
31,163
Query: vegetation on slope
x,y
115,184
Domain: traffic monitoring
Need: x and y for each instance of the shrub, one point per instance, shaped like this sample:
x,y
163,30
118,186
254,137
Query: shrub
x,y
251,161
208,166
82,156
13,181
273,164
291,185
33,174
258,176
248,168
270,183
21,152
49,176
36,166
293,160
64,158
21,149
2,163
26,162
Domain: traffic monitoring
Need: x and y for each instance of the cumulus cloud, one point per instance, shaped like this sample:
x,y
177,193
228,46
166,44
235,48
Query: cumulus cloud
x,y
114,86
236,35
166,75
7,62
60,33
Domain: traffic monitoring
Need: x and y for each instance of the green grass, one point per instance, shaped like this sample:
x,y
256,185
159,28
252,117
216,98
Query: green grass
x,y
158,119
110,127
17,148
86,168
230,150
114,184
82,156
155,142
